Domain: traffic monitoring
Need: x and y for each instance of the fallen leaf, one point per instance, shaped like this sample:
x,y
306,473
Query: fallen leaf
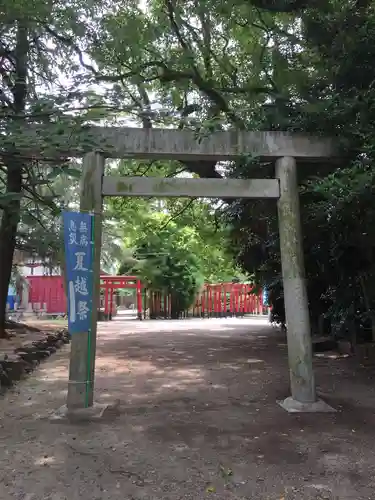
x,y
226,472
211,489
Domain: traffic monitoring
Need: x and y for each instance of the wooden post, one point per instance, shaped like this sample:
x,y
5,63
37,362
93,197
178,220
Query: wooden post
x,y
106,301
111,309
295,293
139,299
83,345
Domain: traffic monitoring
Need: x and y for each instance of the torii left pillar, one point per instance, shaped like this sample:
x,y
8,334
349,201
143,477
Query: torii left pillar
x,y
83,345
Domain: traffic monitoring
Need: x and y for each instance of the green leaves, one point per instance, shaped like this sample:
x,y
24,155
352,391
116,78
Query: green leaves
x,y
257,64
168,264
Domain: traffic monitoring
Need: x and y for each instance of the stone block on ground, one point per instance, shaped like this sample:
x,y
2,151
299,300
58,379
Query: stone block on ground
x,y
15,367
51,339
97,412
26,347
5,380
21,354
43,353
322,344
345,347
365,353
29,357
292,406
50,348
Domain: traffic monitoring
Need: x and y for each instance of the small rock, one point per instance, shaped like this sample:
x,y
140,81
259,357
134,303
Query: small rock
x,y
43,353
15,369
29,357
51,349
5,380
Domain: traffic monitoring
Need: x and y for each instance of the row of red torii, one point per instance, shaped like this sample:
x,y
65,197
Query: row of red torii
x,y
213,300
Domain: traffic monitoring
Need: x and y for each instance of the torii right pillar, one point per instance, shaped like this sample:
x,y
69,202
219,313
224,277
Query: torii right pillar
x,y
302,383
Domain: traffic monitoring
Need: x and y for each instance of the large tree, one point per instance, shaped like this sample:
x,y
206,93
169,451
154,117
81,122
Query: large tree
x,y
256,64
137,218
264,65
42,71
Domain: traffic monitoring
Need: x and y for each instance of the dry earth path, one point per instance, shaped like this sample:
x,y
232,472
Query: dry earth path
x,y
198,419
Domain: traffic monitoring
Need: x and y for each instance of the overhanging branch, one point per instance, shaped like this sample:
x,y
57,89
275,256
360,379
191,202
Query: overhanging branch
x,y
284,5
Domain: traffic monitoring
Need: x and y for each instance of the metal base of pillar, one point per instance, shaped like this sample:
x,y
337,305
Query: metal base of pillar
x,y
293,406
97,412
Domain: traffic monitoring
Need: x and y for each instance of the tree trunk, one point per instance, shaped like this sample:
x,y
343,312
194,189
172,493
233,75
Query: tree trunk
x,y
12,209
176,308
8,233
368,306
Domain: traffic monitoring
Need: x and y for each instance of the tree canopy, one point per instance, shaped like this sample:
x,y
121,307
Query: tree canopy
x,y
174,245
291,65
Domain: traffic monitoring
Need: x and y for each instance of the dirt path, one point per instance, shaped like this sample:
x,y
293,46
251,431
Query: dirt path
x,y
198,420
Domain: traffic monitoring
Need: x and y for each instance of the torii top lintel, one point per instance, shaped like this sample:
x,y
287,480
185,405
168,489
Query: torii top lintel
x,y
185,145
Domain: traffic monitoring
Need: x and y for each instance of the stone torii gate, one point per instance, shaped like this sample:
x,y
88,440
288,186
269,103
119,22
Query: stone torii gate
x,y
283,148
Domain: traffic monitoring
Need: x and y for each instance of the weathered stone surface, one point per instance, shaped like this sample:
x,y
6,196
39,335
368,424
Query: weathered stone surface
x,y
208,188
43,353
152,144
301,372
323,344
96,412
29,358
293,406
18,362
40,344
38,353
365,353
345,347
51,349
27,364
26,348
5,380
62,333
14,368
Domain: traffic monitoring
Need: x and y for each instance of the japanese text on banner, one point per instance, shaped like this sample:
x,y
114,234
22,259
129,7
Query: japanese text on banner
x,y
79,269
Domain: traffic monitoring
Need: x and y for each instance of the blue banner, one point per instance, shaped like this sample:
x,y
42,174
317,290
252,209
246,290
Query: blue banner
x,y
265,297
78,241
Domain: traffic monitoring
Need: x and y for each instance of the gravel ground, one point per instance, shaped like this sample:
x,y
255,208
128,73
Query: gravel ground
x,y
198,419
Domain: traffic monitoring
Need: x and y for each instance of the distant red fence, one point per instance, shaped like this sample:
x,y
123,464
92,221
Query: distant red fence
x,y
229,299
47,292
214,300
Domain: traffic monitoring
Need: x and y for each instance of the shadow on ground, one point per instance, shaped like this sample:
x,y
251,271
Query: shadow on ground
x,y
198,419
